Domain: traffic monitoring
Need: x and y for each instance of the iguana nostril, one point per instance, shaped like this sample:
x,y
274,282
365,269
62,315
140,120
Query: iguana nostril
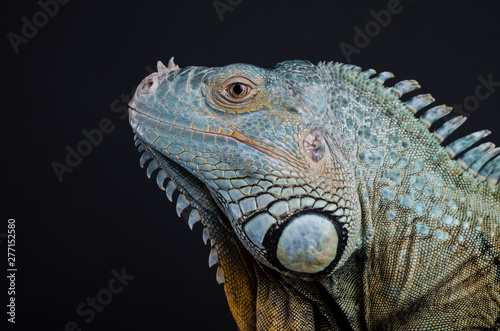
x,y
148,86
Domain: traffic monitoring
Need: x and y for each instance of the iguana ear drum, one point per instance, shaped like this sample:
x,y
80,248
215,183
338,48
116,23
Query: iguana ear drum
x,y
309,242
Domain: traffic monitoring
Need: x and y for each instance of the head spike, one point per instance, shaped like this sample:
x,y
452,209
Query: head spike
x,y
171,66
160,66
171,62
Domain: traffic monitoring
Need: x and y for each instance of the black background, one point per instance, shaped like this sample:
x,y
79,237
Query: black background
x,y
106,214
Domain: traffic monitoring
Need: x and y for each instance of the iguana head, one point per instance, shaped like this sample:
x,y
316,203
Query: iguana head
x,y
251,153
260,142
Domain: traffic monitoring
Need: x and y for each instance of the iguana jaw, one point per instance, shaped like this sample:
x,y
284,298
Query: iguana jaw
x,y
272,152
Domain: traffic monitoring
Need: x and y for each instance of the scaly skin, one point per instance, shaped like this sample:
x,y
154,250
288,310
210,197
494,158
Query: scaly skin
x,y
329,205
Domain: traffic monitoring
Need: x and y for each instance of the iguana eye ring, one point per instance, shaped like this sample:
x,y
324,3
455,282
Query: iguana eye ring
x,y
235,92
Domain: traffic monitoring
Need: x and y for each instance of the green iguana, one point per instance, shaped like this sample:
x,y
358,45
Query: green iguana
x,y
329,205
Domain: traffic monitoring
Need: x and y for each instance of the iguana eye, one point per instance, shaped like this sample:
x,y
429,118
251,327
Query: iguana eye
x,y
235,93
238,90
